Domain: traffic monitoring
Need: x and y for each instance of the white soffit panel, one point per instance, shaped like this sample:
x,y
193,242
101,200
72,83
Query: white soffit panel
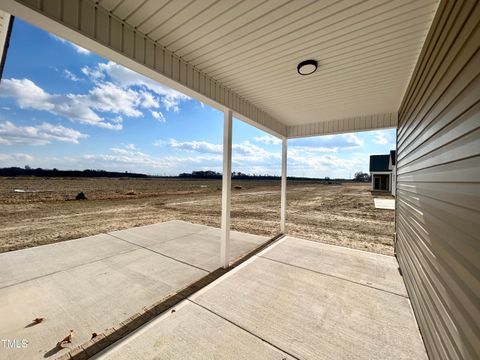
x,y
366,50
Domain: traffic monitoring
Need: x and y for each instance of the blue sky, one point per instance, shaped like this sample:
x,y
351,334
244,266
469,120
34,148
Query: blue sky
x,y
65,107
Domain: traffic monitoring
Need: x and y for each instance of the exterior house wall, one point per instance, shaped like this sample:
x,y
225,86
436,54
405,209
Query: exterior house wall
x,y
438,184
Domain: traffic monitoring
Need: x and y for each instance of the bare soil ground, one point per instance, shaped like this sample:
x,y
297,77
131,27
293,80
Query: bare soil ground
x,y
48,212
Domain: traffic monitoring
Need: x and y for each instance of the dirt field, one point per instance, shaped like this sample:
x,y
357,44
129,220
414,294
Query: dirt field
x,y
48,212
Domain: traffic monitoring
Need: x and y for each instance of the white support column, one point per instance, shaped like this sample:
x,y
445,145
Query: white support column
x,y
283,196
226,188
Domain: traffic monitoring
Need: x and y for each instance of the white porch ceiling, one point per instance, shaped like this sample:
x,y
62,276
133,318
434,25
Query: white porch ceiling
x,y
367,51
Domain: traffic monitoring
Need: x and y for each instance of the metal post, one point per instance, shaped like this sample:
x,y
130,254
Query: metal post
x,y
283,196
226,188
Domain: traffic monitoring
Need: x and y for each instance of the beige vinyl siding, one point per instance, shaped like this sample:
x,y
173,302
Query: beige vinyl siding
x,y
438,184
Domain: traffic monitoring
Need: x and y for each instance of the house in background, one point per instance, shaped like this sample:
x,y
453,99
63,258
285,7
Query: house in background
x,y
383,172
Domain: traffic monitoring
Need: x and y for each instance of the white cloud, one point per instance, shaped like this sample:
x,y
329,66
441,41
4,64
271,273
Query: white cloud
x,y
202,155
28,94
15,157
244,151
302,160
140,162
352,139
334,142
104,97
126,154
268,140
129,157
246,156
199,146
317,156
117,90
42,134
77,48
148,100
92,73
301,164
80,49
124,77
70,76
381,138
312,149
128,149
247,149
107,97
159,116
78,108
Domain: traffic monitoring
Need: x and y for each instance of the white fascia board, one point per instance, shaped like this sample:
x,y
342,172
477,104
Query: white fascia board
x,y
88,25
5,25
342,126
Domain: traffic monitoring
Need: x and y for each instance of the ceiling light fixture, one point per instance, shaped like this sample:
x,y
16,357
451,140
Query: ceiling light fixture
x,y
307,67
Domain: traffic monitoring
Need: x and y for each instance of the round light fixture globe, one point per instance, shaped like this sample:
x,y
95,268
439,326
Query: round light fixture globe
x,y
307,67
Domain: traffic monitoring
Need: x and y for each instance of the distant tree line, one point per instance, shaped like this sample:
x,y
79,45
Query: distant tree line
x,y
201,174
209,174
362,177
28,171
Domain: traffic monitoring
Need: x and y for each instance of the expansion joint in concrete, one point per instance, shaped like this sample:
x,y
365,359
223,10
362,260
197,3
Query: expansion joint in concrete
x,y
244,329
333,276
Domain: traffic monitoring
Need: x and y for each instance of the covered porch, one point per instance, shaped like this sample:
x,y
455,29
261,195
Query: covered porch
x,y
413,66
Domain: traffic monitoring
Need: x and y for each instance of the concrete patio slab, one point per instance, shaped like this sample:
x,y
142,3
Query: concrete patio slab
x,y
203,243
314,316
387,204
204,247
157,233
88,298
297,310
94,283
22,265
193,333
377,271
